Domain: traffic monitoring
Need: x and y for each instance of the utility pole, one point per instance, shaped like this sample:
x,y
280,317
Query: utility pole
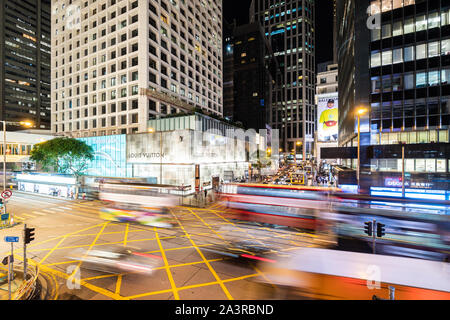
x,y
9,276
25,265
403,170
374,235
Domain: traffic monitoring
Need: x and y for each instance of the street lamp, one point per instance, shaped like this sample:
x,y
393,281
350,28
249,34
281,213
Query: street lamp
x,y
152,130
360,112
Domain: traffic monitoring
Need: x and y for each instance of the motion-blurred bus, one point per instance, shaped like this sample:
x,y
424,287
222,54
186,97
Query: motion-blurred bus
x,y
325,274
146,204
291,206
411,230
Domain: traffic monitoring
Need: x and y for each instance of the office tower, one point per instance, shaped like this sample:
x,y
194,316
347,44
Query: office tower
x,y
289,26
228,70
335,31
353,60
25,62
410,72
394,62
118,64
253,69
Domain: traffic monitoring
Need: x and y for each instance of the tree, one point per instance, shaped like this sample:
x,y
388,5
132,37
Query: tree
x,y
65,155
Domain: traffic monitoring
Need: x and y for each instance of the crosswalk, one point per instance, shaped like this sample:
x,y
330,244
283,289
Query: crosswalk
x,y
40,207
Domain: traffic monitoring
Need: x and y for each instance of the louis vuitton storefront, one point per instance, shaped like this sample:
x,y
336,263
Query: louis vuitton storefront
x,y
196,160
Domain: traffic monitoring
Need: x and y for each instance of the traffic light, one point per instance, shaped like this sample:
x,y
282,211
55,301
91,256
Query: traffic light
x,y
368,228
380,230
29,235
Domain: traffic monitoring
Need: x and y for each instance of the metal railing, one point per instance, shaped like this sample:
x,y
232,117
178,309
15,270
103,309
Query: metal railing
x,y
28,286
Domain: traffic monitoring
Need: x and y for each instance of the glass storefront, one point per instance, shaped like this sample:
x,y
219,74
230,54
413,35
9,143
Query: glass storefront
x,y
170,157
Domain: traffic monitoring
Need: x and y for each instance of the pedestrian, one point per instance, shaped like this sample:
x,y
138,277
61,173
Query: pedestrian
x,y
84,195
206,193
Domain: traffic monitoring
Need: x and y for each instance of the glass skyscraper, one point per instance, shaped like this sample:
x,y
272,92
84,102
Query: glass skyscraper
x,y
289,25
25,62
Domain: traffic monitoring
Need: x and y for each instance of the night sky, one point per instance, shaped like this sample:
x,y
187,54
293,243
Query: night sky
x,y
239,10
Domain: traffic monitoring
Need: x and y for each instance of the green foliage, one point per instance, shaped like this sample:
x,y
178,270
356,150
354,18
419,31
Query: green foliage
x,y
65,155
262,160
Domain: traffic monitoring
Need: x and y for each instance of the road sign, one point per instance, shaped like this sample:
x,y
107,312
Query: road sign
x,y
6,194
11,239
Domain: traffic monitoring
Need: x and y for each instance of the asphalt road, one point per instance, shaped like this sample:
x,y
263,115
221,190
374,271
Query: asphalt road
x,y
187,270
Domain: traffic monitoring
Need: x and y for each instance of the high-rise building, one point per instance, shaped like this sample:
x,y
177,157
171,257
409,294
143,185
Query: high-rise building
x,y
249,58
228,70
394,62
289,25
25,62
118,64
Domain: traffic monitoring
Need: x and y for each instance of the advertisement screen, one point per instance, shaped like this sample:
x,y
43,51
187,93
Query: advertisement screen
x,y
327,110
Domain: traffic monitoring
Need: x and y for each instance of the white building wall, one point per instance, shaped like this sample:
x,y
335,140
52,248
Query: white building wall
x,y
83,100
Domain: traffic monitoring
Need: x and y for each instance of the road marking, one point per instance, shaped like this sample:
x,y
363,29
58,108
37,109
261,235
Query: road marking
x,y
119,278
90,247
169,273
39,213
224,288
191,286
254,267
48,240
29,215
51,251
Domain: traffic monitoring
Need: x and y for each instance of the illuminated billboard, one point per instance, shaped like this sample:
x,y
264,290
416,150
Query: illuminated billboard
x,y
327,115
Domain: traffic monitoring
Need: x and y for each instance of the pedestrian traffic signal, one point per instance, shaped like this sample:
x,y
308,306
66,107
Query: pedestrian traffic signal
x,y
368,228
380,230
29,235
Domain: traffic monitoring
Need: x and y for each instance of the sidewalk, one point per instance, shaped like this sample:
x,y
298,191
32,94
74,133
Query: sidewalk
x,y
199,201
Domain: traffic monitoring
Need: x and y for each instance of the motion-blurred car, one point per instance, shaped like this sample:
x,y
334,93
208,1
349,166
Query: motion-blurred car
x,y
116,259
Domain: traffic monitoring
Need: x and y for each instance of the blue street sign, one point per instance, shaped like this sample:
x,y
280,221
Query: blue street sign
x,y
11,239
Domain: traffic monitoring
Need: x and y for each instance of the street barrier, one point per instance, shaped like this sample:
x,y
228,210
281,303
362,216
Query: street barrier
x,y
27,287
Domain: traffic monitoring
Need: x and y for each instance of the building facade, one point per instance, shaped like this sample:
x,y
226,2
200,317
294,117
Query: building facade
x,y
228,70
117,64
327,106
253,76
194,151
394,61
25,62
289,26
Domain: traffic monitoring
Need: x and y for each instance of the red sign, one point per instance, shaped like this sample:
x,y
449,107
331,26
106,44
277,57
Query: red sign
x,y
6,194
